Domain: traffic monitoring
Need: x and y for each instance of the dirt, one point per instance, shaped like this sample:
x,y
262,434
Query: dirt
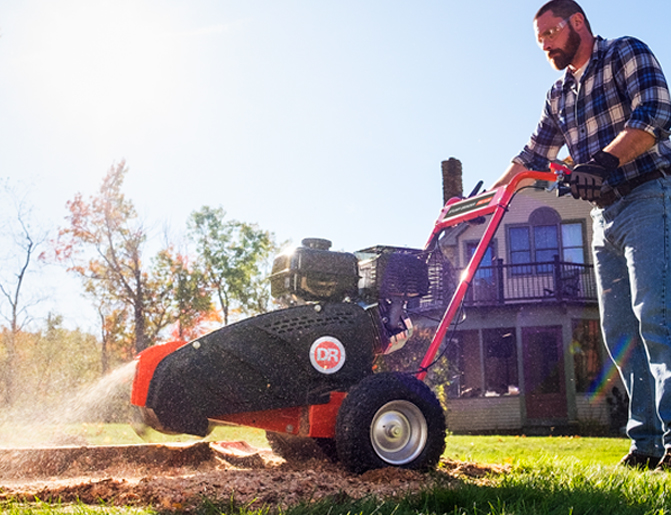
x,y
178,477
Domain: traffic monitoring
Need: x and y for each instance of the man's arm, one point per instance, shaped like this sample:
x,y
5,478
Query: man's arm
x,y
507,176
626,146
587,178
630,144
641,76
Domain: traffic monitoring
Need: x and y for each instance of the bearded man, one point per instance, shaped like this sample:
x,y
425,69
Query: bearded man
x,y
612,110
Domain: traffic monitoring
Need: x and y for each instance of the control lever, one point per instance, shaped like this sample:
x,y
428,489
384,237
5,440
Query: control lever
x,y
561,185
560,188
476,189
563,190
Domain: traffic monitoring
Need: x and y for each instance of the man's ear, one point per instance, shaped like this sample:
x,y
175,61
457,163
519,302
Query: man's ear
x,y
577,20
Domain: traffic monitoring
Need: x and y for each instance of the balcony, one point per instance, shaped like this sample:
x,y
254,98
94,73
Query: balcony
x,y
500,284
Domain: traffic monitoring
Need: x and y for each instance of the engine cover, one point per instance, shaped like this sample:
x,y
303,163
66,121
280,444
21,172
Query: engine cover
x,y
291,357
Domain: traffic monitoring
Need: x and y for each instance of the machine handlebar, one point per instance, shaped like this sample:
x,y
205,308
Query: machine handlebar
x,y
479,204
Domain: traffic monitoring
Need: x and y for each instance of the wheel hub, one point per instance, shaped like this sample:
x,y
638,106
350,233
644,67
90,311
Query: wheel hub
x,y
393,431
398,432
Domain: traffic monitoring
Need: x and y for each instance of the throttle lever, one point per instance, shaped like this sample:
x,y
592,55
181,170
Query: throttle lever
x,y
476,189
561,185
562,190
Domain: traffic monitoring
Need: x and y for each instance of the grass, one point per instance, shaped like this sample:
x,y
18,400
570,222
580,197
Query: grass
x,y
482,449
537,484
560,475
12,435
516,450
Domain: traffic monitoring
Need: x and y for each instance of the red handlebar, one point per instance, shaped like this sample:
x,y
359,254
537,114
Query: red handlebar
x,y
494,202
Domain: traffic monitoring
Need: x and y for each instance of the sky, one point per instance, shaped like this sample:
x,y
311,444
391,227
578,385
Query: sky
x,y
309,118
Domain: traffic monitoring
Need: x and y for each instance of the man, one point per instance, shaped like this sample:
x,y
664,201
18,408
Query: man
x,y
612,110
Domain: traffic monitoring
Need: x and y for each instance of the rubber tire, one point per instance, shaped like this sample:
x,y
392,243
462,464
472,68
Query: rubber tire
x,y
299,448
383,402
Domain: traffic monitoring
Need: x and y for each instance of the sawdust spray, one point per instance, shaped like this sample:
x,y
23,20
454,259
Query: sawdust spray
x,y
107,400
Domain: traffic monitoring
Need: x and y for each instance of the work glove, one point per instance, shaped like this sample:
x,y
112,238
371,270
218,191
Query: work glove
x,y
586,179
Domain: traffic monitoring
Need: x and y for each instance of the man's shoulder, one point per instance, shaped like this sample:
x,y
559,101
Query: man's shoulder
x,y
606,51
623,44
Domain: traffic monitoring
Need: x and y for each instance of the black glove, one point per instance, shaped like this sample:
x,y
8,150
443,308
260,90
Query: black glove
x,y
586,179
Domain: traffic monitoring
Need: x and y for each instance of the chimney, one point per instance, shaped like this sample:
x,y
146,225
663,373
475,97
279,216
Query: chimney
x,y
452,183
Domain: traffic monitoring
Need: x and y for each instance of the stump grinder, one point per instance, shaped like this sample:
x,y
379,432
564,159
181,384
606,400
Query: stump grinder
x,y
305,373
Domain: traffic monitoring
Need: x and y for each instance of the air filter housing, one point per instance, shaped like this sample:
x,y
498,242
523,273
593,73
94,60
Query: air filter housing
x,y
390,275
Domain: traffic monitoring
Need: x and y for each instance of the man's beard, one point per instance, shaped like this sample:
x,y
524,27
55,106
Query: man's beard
x,y
562,57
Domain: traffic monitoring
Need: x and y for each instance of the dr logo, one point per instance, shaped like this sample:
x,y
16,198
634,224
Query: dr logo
x,y
327,355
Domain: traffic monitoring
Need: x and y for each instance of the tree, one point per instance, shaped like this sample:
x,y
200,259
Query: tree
x,y
103,243
20,258
51,365
115,333
180,289
59,362
234,257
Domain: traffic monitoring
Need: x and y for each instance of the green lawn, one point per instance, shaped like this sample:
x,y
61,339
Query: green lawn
x,y
484,449
515,450
114,434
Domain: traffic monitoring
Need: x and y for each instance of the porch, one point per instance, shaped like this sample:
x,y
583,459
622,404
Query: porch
x,y
501,284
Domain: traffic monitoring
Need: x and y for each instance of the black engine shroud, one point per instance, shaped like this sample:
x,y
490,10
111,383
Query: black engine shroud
x,y
261,363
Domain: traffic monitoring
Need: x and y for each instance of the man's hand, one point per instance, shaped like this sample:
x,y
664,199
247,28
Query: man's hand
x,y
586,179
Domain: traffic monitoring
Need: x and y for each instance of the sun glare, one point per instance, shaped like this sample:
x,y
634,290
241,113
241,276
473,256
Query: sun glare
x,y
100,62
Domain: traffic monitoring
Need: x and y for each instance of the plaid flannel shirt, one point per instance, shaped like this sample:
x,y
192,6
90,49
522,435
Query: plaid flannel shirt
x,y
623,87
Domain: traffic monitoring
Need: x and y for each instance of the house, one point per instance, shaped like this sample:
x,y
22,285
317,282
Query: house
x,y
526,355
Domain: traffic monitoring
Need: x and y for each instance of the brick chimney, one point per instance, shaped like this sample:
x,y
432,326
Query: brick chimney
x,y
452,183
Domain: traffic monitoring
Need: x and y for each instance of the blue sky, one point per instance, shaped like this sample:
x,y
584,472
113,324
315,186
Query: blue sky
x,y
310,118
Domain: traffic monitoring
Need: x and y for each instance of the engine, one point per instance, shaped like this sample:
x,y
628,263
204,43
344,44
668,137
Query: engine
x,y
380,280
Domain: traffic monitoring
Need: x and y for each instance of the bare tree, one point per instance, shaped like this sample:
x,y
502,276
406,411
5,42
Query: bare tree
x,y
20,257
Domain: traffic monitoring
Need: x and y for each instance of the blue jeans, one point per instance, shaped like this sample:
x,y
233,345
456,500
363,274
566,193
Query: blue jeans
x,y
632,260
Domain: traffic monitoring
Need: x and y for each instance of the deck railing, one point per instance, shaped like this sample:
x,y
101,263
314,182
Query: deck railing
x,y
499,283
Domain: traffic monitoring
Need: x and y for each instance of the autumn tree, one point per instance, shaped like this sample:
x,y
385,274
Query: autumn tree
x,y
179,289
103,243
115,329
234,257
136,299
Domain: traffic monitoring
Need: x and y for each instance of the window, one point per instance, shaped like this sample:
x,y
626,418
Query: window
x,y
539,244
483,287
465,365
520,249
500,350
485,269
573,250
587,361
546,242
545,237
495,363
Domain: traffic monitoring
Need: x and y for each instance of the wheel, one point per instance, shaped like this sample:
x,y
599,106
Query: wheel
x,y
299,448
390,420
